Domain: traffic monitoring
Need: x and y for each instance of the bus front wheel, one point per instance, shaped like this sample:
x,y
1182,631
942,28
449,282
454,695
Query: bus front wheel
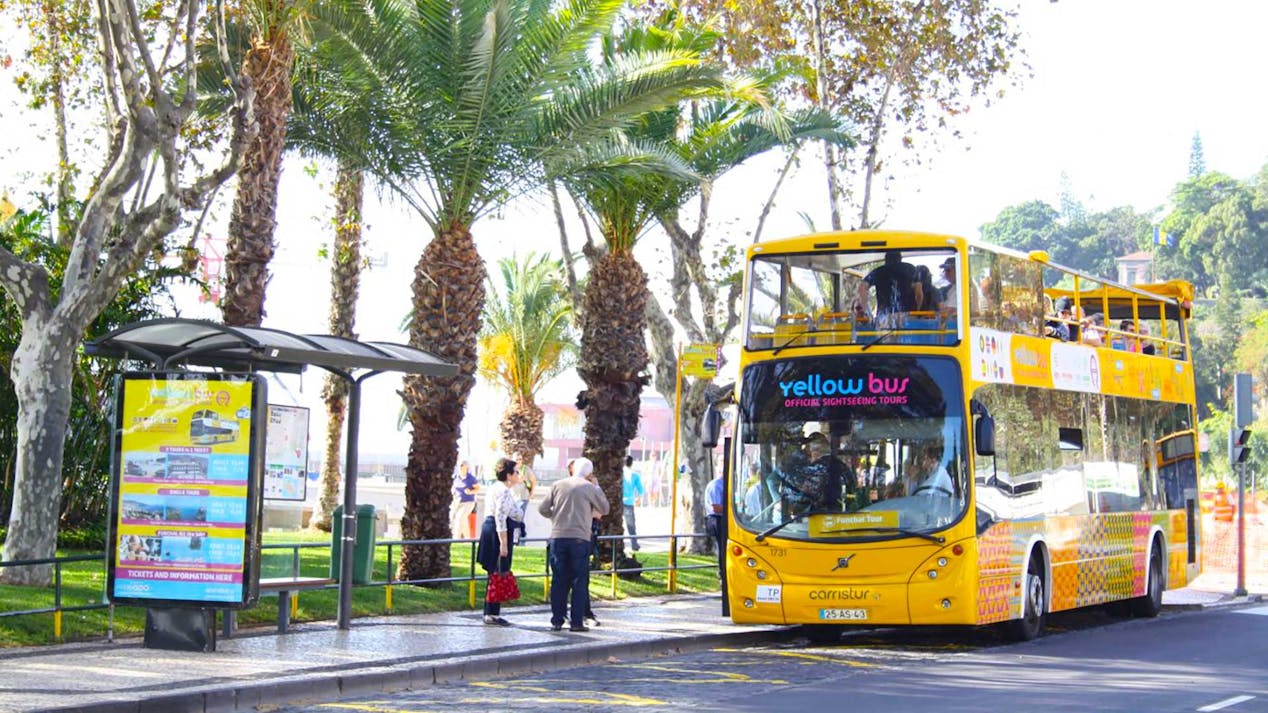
x,y
1030,625
1150,605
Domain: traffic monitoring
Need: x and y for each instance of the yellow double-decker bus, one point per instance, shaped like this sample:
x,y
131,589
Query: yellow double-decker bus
x,y
983,449
206,427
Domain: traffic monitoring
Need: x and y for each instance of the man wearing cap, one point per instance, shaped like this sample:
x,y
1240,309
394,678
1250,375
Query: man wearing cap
x,y
1059,328
570,505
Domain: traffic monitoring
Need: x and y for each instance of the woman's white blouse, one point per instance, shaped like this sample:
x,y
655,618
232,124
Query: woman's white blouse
x,y
501,503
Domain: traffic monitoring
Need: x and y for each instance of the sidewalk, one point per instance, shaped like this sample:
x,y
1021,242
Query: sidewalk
x,y
317,662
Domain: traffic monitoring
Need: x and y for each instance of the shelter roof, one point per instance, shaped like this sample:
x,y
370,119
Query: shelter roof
x,y
170,341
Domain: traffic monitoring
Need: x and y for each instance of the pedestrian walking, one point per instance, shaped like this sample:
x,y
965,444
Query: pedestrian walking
x,y
465,487
502,512
631,491
715,520
570,505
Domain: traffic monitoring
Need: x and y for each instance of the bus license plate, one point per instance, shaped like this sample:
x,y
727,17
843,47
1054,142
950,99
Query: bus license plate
x,y
843,614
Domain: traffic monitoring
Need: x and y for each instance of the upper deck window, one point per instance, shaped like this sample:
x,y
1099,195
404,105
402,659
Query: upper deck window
x,y
854,297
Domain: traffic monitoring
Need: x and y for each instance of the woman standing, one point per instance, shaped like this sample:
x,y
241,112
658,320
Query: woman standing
x,y
496,544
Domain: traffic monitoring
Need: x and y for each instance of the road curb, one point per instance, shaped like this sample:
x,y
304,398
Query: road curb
x,y
297,690
1225,603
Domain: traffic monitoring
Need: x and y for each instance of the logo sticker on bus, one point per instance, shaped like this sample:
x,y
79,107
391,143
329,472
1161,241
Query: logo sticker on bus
x,y
769,593
817,390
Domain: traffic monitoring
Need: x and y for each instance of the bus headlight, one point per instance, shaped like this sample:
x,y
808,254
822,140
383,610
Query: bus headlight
x,y
933,574
751,562
761,574
942,561
748,603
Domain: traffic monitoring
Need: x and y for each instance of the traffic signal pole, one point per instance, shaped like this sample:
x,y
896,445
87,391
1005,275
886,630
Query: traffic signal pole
x,y
1238,450
1240,591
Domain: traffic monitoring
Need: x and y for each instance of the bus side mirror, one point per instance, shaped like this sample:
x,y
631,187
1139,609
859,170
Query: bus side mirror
x,y
710,427
984,436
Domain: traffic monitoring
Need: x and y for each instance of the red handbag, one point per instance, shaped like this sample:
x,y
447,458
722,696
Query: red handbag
x,y
502,587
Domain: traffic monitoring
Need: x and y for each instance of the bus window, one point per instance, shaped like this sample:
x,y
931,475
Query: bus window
x,y
828,436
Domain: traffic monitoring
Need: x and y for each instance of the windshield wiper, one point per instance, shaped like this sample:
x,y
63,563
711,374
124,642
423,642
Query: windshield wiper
x,y
936,539
791,339
879,338
782,525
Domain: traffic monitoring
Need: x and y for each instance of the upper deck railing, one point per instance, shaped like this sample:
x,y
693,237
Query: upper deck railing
x,y
819,290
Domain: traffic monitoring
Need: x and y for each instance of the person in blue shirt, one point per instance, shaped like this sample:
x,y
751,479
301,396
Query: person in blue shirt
x,y
715,517
465,487
631,491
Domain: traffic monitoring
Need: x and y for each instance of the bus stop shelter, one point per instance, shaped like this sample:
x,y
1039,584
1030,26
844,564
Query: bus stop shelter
x,y
178,344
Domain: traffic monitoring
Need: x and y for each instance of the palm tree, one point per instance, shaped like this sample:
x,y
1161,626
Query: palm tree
x,y
486,91
525,342
614,359
329,120
249,248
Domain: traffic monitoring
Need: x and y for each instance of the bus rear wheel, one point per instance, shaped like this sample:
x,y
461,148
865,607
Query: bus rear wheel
x,y
1150,605
1030,625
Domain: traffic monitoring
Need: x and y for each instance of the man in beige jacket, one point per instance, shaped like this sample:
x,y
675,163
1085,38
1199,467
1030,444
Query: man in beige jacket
x,y
570,505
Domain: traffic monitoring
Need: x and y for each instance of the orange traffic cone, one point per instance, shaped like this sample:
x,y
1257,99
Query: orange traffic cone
x,y
1223,508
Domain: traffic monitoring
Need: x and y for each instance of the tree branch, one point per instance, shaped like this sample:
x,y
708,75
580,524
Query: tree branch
x,y
770,202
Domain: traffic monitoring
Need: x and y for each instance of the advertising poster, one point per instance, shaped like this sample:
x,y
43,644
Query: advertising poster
x,y
182,513
701,360
286,453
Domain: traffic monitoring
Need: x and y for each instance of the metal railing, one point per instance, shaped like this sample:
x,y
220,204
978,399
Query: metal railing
x,y
393,547
57,610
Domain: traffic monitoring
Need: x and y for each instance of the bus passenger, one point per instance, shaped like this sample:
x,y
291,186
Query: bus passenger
x,y
1059,328
1146,344
1127,341
934,478
929,294
897,289
1093,330
949,295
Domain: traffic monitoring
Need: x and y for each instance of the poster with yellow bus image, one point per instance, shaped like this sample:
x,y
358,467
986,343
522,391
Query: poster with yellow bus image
x,y
185,495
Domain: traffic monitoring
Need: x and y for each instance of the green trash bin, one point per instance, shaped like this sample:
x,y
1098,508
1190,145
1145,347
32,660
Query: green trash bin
x,y
362,547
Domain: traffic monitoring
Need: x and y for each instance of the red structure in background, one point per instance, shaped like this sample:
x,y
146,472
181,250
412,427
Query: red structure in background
x,y
564,434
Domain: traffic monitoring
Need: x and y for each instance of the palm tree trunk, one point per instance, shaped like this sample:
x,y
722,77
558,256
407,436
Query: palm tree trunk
x,y
448,301
345,282
613,364
521,430
249,247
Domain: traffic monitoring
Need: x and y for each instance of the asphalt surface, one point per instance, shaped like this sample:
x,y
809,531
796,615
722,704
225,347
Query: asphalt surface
x,y
317,662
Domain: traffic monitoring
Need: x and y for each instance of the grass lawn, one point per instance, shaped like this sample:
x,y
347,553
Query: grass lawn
x,y
83,584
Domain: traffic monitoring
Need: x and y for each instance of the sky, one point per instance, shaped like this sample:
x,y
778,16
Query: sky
x,y
1118,88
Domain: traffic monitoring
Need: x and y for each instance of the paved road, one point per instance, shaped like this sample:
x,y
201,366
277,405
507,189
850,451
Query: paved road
x,y
1187,661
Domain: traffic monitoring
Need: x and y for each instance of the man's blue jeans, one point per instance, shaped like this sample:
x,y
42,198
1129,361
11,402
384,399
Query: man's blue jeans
x,y
569,560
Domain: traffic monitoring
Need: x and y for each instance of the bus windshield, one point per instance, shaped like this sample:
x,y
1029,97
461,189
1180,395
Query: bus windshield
x,y
850,447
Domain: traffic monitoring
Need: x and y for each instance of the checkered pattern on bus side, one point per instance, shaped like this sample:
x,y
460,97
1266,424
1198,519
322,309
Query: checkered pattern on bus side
x,y
999,555
1094,559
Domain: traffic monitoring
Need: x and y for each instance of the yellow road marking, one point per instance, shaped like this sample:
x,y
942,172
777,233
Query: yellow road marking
x,y
808,657
372,708
603,698
718,676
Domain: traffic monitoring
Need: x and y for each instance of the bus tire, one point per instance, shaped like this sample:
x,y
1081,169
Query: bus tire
x,y
1030,625
823,633
1150,605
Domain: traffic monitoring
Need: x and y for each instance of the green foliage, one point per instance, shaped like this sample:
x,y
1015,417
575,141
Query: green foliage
x,y
87,448
526,338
